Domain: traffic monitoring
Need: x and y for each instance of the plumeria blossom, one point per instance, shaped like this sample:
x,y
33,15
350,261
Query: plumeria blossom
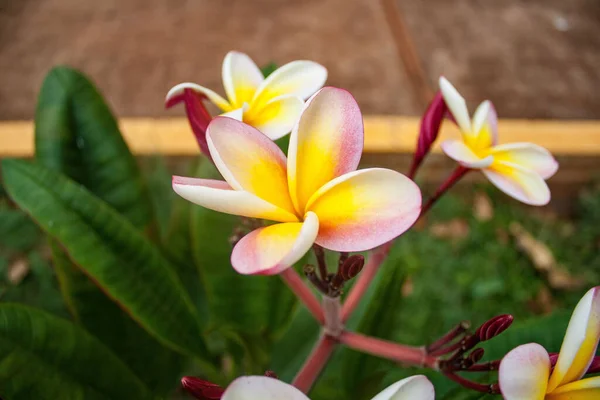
x,y
525,373
265,388
315,193
272,104
518,169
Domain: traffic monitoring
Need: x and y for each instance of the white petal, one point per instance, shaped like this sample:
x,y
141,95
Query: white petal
x,y
261,388
413,388
277,117
212,96
520,183
458,151
241,78
528,155
524,372
457,105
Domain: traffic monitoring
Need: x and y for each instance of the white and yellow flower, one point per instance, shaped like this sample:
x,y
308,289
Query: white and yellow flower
x,y
525,373
271,105
518,169
265,388
316,193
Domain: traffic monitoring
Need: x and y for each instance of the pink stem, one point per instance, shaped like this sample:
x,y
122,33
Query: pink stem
x,y
315,363
364,279
303,292
392,351
458,173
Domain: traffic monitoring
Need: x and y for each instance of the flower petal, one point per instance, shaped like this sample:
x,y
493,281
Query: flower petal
x,y
412,388
364,209
326,142
585,389
241,78
272,249
261,388
298,78
485,130
212,96
457,106
524,372
249,161
459,151
219,196
528,155
580,343
278,117
237,114
520,183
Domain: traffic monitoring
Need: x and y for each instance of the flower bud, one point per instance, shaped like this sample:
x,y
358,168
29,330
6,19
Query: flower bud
x,y
430,128
197,115
476,355
201,389
352,267
494,327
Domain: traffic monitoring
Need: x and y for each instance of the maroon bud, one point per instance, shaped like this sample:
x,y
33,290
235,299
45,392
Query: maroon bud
x,y
494,327
594,366
430,128
352,267
201,389
476,355
197,115
271,374
553,359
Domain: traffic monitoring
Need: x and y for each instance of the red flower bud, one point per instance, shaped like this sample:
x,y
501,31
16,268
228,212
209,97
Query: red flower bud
x,y
430,128
352,266
201,389
197,115
494,327
476,355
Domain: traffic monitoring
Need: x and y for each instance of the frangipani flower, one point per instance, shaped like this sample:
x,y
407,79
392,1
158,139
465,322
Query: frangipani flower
x,y
525,373
265,388
316,193
518,169
271,105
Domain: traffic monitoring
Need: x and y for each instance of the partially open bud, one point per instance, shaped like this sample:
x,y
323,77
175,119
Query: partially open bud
x,y
352,267
476,355
197,115
494,327
430,128
202,389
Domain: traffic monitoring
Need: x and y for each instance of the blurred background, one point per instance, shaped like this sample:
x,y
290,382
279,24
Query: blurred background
x,y
478,255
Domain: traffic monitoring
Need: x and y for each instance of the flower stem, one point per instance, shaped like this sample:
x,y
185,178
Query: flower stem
x,y
415,356
458,173
315,363
303,292
333,321
367,274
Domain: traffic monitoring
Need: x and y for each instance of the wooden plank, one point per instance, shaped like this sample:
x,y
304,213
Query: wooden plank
x,y
384,134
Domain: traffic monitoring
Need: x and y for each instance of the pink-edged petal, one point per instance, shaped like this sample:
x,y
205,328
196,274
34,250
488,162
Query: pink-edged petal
x,y
519,183
212,96
261,388
241,78
249,161
585,389
529,156
412,388
326,142
524,372
580,343
485,130
297,78
364,209
459,151
457,105
277,117
219,196
272,249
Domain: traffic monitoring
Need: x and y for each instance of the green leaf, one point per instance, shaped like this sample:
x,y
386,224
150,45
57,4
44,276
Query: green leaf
x,y
250,304
268,69
76,134
112,252
44,357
